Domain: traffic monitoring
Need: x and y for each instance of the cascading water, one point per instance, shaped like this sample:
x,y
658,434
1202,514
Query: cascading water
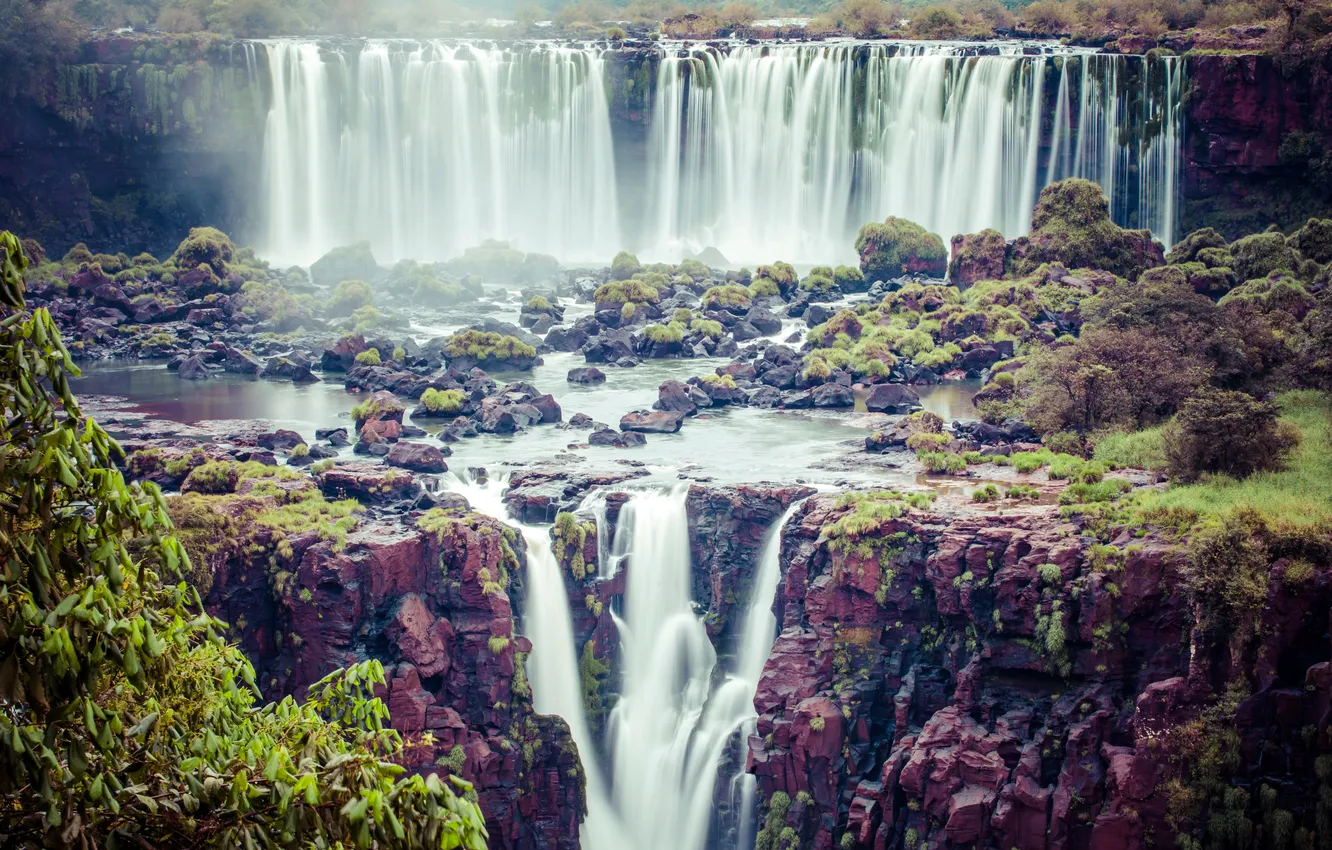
x,y
786,151
426,149
675,716
764,152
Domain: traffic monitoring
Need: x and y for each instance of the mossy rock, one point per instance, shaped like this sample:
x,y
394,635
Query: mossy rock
x,y
625,266
1186,250
349,262
1071,225
899,247
1259,255
205,246
488,351
1279,291
1314,240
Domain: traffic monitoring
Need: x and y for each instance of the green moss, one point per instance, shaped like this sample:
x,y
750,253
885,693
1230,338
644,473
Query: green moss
x,y
204,246
898,247
726,295
762,287
369,357
1259,255
538,304
707,327
724,381
663,334
443,401
1071,225
484,345
348,297
632,291
624,266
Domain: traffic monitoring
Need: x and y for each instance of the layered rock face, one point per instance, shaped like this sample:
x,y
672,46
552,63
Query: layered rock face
x,y
428,600
1005,681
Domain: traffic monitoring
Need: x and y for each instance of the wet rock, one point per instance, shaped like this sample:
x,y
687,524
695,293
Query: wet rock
x,y
281,440
193,368
617,439
652,421
334,436
418,457
549,409
892,398
586,375
678,397
284,368
834,395
238,362
366,482
764,320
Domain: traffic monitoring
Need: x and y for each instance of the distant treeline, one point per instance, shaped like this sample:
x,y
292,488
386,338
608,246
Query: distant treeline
x,y
32,31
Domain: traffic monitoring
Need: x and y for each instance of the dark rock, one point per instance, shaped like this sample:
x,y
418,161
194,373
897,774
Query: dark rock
x,y
281,440
616,439
334,436
892,398
418,457
677,397
550,409
652,421
762,319
834,395
193,368
586,375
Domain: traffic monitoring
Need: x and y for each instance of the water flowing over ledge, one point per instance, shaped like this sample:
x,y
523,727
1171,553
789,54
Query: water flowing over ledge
x,y
763,152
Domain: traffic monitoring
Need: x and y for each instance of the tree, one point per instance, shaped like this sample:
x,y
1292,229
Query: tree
x,y
124,719
1219,431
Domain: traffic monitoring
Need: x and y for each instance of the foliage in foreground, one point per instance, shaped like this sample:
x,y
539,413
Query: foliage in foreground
x,y
124,719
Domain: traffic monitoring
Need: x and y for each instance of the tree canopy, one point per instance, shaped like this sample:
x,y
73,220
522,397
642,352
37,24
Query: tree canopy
x,y
125,720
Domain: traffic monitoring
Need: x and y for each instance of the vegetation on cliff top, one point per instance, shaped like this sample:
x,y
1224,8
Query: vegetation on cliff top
x,y
129,721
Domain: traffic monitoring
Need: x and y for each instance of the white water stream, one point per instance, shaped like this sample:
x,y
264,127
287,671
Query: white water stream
x,y
676,714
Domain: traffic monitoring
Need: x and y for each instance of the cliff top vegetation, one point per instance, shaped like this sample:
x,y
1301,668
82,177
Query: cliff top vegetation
x,y
30,31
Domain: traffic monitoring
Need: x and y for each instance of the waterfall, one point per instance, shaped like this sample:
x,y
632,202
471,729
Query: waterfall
x,y
675,718
786,151
676,714
552,667
425,149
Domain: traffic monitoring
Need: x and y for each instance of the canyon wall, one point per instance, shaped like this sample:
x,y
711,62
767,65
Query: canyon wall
x,y
1006,681
140,138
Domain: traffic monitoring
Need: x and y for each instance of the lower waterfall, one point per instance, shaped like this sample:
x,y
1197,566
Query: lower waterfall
x,y
676,714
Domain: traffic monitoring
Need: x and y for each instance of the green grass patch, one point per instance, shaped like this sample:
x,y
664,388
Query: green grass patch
x,y
1136,450
1299,495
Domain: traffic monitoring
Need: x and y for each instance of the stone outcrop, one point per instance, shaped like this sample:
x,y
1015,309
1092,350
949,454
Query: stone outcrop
x,y
1008,682
430,599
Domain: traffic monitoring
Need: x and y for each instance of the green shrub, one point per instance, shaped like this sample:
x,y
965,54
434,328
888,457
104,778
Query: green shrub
x,y
848,278
1218,431
694,270
1065,467
761,287
204,246
1022,492
986,494
369,357
538,304
443,401
942,462
1027,462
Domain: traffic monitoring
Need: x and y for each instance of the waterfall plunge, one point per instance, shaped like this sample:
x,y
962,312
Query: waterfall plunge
x,y
786,151
674,718
426,149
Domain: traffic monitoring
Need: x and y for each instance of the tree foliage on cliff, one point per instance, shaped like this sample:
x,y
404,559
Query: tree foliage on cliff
x,y
124,719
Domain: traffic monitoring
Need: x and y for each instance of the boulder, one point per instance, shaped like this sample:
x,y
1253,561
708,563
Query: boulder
x,y
678,397
281,440
418,457
193,368
892,398
652,421
834,395
617,439
586,375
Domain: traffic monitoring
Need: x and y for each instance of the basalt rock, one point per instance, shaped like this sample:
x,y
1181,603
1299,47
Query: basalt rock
x,y
1004,681
892,398
418,457
431,602
652,421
